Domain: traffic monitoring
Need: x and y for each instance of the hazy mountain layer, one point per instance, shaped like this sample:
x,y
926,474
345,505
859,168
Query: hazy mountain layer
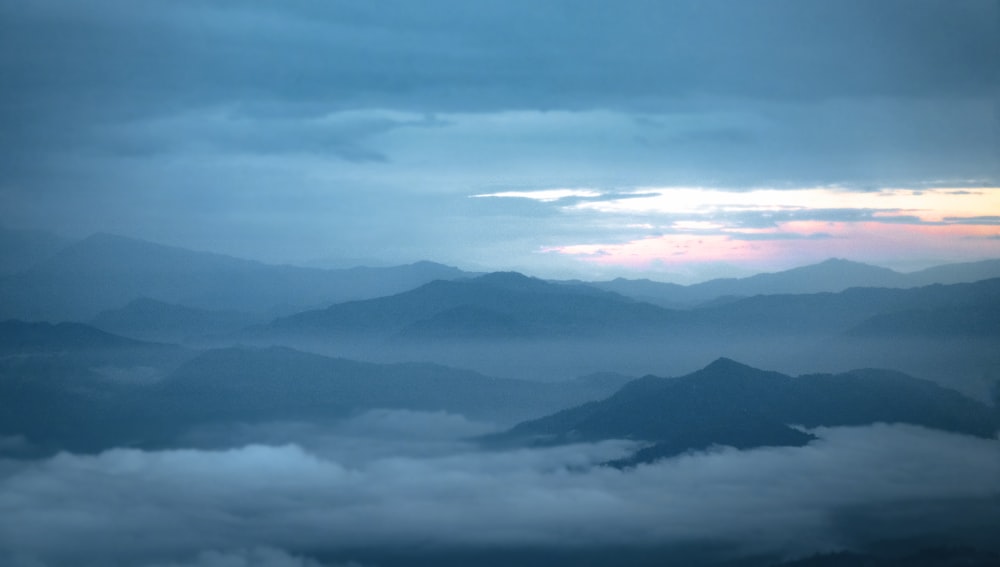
x,y
105,272
498,305
85,409
150,319
728,403
832,275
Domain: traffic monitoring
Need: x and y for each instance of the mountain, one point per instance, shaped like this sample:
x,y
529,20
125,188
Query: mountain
x,y
956,273
833,275
105,272
153,320
980,319
285,383
249,385
498,305
21,337
513,306
830,314
22,249
728,403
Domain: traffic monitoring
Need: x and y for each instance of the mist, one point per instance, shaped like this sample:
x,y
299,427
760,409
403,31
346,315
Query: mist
x,y
288,503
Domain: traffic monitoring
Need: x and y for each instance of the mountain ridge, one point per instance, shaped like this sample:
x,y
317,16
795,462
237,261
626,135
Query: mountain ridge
x,y
730,403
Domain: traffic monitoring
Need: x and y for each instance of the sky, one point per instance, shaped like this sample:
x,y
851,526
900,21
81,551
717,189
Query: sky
x,y
673,140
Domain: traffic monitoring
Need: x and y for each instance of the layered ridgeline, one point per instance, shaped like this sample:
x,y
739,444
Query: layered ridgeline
x,y
104,272
54,401
510,305
498,305
833,275
731,404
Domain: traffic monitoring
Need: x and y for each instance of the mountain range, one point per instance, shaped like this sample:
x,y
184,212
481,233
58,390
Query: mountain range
x,y
732,404
833,275
105,272
47,277
498,305
90,402
513,306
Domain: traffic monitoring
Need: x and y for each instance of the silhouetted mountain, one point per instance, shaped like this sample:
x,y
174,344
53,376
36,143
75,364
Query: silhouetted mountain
x,y
105,272
154,320
283,383
829,276
981,319
727,403
956,273
21,337
499,305
836,313
77,408
505,306
833,275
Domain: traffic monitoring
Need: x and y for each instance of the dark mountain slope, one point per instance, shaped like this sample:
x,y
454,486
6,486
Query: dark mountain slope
x,y
729,403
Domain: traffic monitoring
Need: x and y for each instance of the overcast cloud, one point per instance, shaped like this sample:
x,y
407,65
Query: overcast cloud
x,y
306,129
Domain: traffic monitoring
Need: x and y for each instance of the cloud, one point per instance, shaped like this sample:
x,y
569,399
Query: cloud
x,y
126,506
286,131
543,195
255,557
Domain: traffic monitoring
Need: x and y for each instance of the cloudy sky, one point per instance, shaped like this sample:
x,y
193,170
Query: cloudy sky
x,y
669,139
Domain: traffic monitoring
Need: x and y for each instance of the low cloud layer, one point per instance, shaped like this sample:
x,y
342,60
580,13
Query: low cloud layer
x,y
208,507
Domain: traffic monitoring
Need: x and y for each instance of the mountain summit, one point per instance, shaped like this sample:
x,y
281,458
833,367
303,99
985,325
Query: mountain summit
x,y
729,403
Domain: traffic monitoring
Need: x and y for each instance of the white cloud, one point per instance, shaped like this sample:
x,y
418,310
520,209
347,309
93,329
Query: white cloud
x,y
127,505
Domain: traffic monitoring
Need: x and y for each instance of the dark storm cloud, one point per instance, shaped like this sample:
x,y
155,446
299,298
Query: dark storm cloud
x,y
132,507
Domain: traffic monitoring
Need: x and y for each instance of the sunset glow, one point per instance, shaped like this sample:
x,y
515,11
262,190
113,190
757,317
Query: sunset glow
x,y
770,227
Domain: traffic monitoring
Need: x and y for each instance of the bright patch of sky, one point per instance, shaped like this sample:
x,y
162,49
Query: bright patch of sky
x,y
773,229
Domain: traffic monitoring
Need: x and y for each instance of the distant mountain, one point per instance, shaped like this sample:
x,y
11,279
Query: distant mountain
x,y
728,403
829,314
833,275
956,273
22,249
105,272
980,319
149,319
21,337
247,385
498,305
277,382
513,306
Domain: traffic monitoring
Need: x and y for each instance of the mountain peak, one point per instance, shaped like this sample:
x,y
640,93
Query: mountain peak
x,y
726,364
509,279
